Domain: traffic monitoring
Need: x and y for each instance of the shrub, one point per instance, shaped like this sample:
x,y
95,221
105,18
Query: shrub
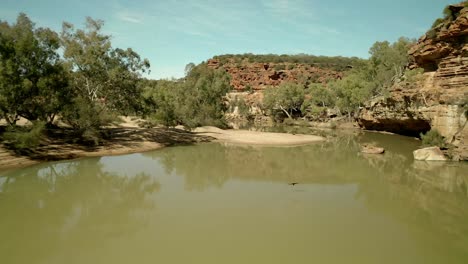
x,y
432,33
288,121
279,67
414,75
433,138
27,137
447,12
437,22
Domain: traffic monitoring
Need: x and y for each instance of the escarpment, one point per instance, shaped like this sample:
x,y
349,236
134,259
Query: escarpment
x,y
258,73
440,99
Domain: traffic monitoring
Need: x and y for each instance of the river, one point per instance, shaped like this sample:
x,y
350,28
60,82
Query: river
x,y
217,203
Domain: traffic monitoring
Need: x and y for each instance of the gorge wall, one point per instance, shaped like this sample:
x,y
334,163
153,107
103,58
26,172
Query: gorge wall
x,y
247,75
439,100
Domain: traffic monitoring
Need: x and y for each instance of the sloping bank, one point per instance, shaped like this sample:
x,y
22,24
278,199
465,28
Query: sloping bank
x,y
134,140
257,138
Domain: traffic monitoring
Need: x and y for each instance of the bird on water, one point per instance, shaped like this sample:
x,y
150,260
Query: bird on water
x,y
293,183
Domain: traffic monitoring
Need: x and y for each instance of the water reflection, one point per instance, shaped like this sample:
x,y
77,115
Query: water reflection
x,y
46,208
239,195
423,195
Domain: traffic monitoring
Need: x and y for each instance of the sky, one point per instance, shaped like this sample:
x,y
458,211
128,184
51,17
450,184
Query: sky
x,y
173,33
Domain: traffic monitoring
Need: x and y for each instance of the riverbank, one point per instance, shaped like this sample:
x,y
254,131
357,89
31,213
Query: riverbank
x,y
247,137
122,140
128,138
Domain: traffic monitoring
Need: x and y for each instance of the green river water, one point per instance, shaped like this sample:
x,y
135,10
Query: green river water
x,y
216,203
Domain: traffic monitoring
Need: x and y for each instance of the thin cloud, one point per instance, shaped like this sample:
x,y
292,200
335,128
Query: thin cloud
x,y
131,18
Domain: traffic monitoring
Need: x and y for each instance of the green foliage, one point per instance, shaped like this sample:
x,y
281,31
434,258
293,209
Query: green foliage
x,y
242,106
104,80
387,63
286,98
433,138
337,63
321,95
447,12
351,92
315,112
437,22
26,137
280,67
448,16
249,89
197,101
414,75
202,100
161,101
87,119
33,82
432,33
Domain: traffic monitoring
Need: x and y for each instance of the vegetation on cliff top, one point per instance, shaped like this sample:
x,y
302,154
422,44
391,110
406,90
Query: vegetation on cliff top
x,y
373,77
450,13
337,63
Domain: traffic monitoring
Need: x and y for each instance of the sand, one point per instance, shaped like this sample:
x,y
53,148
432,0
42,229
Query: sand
x,y
247,137
129,138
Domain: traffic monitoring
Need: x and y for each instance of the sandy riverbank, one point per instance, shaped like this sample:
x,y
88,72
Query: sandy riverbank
x,y
257,138
129,138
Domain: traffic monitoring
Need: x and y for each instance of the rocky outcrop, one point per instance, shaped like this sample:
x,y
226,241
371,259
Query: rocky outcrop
x,y
257,76
438,101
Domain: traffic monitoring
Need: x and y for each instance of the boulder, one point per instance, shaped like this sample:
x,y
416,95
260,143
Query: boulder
x,y
370,149
429,154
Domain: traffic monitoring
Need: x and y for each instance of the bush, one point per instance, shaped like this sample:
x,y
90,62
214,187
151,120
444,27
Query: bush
x,y
433,138
414,75
87,119
28,137
288,121
280,67
437,22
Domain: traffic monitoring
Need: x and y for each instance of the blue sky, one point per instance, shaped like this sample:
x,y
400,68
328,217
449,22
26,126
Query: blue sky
x,y
172,33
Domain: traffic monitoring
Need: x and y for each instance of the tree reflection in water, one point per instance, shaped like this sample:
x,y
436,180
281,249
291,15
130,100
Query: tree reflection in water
x,y
60,203
428,195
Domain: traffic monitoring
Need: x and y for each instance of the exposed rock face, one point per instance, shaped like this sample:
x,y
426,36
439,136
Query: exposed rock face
x,y
437,102
260,75
429,154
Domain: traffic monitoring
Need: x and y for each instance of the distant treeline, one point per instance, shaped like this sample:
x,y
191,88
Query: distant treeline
x,y
337,63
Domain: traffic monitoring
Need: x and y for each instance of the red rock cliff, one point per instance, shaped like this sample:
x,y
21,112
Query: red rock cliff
x,y
440,100
260,75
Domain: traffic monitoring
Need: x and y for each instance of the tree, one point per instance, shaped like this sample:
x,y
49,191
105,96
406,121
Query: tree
x,y
287,97
201,97
161,101
188,68
33,82
195,101
351,92
387,62
103,79
321,95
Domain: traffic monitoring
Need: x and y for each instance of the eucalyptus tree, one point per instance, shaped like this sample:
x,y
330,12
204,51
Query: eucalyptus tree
x,y
286,98
104,79
33,82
